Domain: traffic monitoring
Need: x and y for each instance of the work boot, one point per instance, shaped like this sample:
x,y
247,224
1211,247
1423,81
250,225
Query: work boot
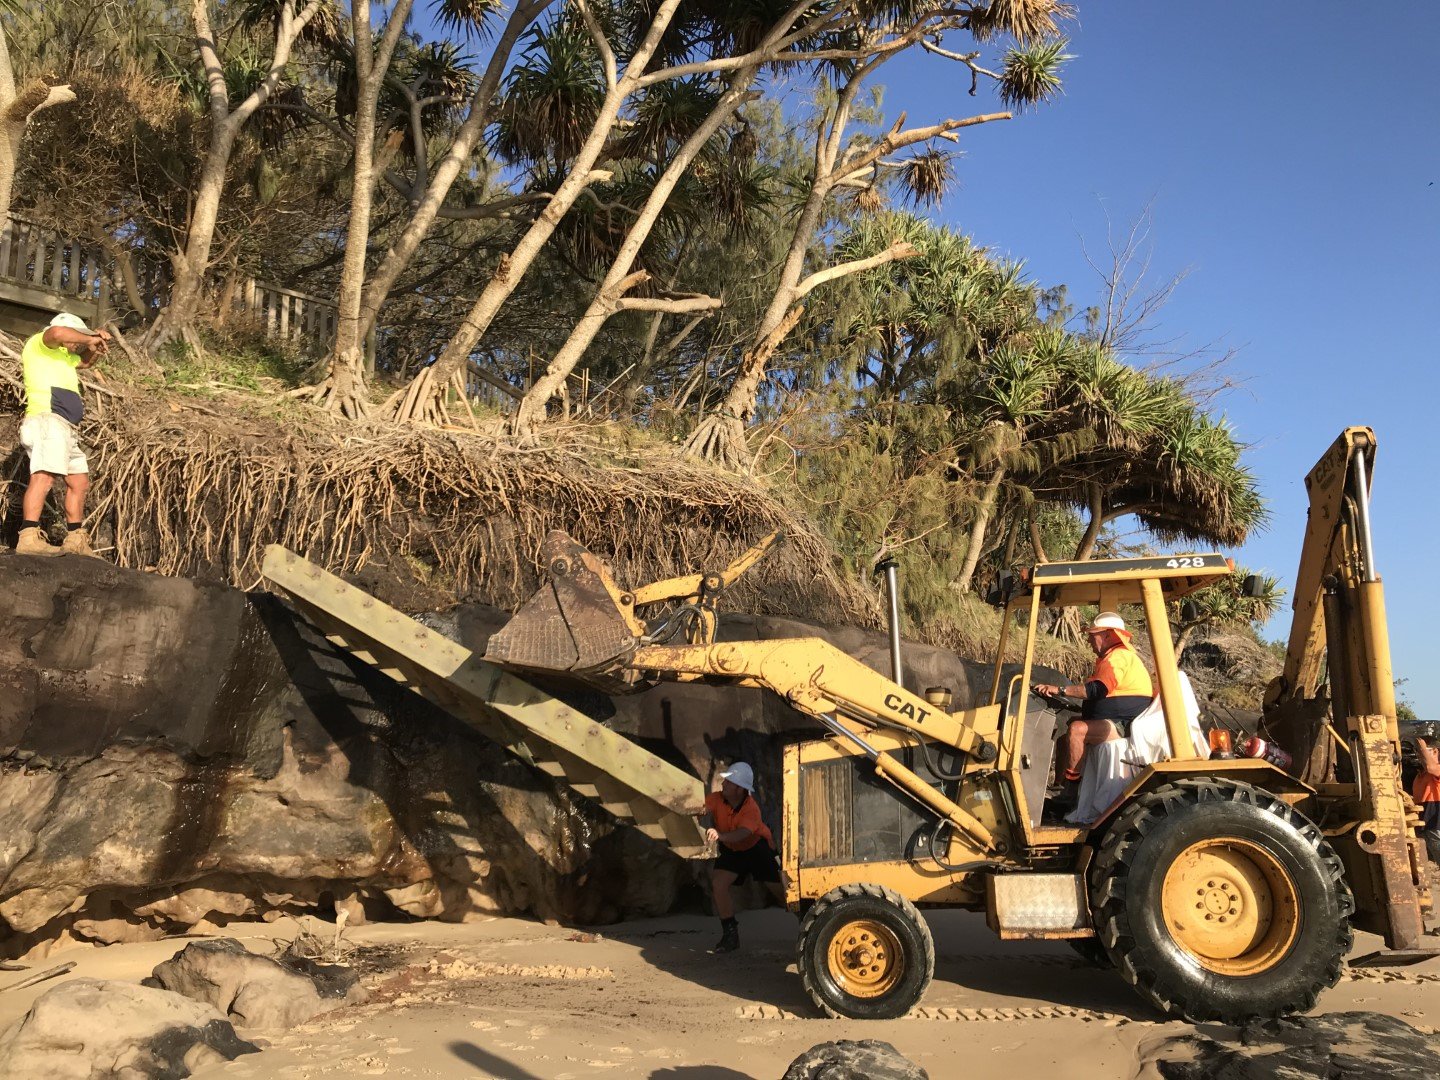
x,y
1060,800
34,542
729,937
77,542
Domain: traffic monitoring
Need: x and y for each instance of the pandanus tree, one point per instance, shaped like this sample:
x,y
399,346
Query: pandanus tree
x,y
1029,76
1133,443
276,27
563,104
396,99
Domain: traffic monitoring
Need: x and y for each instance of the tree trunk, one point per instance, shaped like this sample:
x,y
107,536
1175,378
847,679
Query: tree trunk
x,y
978,527
343,391
177,320
1037,543
1086,548
720,437
399,257
609,296
512,267
16,112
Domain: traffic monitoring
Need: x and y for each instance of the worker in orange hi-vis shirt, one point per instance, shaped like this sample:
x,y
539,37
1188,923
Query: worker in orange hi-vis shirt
x,y
1119,690
1427,793
732,820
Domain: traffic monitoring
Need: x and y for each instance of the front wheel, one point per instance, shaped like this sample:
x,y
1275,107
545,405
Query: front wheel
x,y
1217,901
865,953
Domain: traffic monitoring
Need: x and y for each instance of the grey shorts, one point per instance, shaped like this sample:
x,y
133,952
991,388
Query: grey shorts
x,y
1432,844
52,444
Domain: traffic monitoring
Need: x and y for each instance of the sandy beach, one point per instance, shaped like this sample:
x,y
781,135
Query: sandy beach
x,y
521,1000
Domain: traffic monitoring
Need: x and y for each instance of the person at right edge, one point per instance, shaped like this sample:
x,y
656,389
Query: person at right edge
x,y
53,409
732,820
1116,693
1427,794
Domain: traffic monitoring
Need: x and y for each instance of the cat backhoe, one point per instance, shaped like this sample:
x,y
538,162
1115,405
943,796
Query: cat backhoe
x,y
1220,889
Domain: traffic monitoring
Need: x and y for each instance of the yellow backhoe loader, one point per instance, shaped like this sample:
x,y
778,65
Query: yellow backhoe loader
x,y
1219,889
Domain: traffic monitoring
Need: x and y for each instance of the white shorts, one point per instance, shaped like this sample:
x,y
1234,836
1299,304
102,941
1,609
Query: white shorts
x,y
52,444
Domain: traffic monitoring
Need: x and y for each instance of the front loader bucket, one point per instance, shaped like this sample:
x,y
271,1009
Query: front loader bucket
x,y
579,622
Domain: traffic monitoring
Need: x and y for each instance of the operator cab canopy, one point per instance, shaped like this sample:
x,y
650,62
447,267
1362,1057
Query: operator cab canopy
x,y
1109,583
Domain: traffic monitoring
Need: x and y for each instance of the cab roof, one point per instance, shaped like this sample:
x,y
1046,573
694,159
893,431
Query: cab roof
x,y
1108,583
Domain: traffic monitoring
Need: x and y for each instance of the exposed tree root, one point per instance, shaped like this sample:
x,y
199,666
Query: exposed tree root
x,y
201,491
340,395
720,440
423,400
167,332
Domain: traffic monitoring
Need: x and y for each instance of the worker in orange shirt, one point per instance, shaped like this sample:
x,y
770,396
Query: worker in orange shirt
x,y
1116,693
1426,792
732,820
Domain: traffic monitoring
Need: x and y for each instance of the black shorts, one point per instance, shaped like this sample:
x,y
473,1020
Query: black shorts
x,y
757,861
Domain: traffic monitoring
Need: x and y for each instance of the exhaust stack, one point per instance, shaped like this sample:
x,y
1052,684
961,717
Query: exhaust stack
x,y
892,591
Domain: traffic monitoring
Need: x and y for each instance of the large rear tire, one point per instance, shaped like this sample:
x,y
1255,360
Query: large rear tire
x,y
1217,901
865,953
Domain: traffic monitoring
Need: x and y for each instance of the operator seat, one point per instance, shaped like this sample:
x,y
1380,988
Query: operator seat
x,y
1110,766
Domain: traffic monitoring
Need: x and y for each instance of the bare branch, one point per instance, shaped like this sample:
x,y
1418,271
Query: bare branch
x,y
675,306
968,59
865,157
597,35
771,49
901,249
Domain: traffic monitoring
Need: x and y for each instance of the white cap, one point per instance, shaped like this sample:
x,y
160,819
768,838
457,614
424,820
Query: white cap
x,y
1106,620
740,775
71,322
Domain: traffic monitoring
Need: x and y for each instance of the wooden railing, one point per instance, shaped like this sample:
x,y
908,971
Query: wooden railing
x,y
287,315
45,270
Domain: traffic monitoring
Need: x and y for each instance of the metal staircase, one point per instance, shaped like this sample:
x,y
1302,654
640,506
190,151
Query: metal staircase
x,y
631,783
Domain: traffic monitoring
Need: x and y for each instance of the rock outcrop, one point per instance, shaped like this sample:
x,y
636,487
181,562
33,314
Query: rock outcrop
x,y
176,753
1355,1045
257,992
89,1028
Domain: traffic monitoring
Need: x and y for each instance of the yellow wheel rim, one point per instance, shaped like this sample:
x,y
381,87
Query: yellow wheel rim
x,y
865,958
1232,906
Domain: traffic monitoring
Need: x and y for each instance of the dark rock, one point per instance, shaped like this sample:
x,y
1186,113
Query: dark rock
x,y
863,1059
1354,1045
256,991
94,1028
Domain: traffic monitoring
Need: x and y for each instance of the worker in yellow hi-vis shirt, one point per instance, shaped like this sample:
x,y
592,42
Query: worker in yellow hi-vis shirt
x,y
53,410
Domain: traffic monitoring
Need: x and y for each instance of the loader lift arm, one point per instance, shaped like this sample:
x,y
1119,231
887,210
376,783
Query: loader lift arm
x,y
585,625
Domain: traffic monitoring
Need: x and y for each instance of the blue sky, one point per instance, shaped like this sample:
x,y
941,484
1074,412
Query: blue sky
x,y
1289,152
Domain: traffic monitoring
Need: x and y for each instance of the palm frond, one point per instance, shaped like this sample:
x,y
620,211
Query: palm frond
x,y
927,176
1027,21
1031,75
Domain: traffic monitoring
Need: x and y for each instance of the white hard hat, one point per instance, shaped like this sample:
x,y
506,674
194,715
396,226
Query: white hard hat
x,y
1106,620
740,775
70,322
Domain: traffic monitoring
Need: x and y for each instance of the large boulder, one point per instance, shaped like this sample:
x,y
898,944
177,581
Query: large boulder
x,y
854,1059
90,1029
176,753
255,991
